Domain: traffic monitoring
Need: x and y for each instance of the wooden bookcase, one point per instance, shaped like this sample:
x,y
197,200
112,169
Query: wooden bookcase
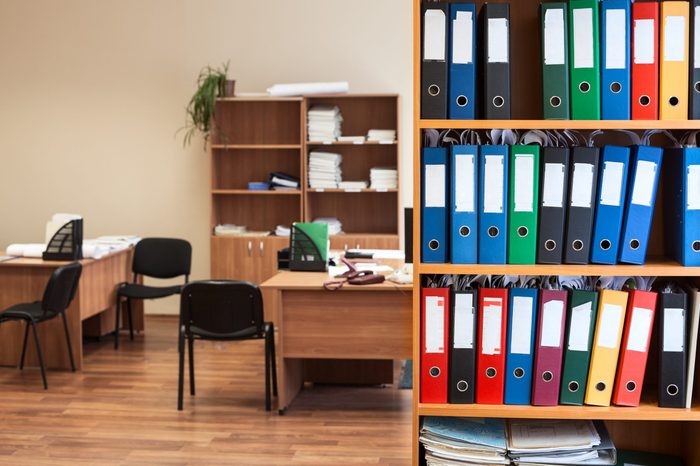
x,y
258,135
647,427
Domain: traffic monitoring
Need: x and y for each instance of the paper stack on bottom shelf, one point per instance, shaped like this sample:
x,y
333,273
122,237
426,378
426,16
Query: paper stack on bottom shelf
x,y
381,135
334,225
455,441
383,178
324,170
324,123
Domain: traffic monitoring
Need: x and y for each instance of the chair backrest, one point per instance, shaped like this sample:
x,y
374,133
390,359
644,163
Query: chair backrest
x,y
222,307
61,288
162,257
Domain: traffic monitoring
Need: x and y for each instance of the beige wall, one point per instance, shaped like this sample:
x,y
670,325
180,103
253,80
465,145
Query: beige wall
x,y
92,92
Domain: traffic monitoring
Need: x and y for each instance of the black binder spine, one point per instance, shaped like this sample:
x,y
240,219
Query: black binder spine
x,y
462,361
672,364
496,98
552,218
579,225
434,72
694,101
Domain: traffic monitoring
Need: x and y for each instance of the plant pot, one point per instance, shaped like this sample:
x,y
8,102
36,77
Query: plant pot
x,y
229,87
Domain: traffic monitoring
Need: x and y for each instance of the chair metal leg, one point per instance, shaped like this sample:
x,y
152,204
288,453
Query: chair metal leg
x,y
117,323
273,360
181,371
39,355
24,346
131,319
190,344
268,402
70,347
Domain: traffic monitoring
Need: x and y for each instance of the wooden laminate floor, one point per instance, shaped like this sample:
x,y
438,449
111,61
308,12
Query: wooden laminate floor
x,y
121,409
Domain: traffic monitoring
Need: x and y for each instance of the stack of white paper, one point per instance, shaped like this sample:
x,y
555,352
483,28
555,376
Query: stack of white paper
x,y
381,135
283,230
334,225
454,441
383,178
351,185
324,170
324,123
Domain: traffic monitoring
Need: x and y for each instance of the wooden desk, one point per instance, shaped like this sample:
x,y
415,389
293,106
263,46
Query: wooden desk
x,y
356,322
24,280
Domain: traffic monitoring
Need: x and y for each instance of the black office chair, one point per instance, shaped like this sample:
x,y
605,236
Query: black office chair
x,y
59,292
224,310
156,258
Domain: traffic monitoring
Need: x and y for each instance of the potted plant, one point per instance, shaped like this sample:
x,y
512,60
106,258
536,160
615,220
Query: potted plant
x,y
211,84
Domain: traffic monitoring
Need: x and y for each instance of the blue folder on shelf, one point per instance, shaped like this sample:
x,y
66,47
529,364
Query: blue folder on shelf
x,y
434,199
462,62
464,194
522,322
682,198
639,208
615,20
493,210
610,204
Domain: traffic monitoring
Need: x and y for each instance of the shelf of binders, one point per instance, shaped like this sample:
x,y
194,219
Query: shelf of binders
x,y
562,124
654,267
646,411
254,192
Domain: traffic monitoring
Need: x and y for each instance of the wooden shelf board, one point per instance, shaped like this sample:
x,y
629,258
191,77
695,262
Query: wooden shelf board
x,y
561,124
254,146
253,192
653,267
351,95
349,191
259,98
349,143
646,411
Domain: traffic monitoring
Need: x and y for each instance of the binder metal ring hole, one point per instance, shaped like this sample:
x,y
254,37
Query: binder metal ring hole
x,y
673,101
433,90
615,87
555,101
631,386
584,87
577,245
634,244
462,101
522,232
433,244
490,372
462,386
434,371
498,101
573,386
464,231
672,389
493,232
547,376
696,246
644,100
550,245
600,386
605,244
696,86
519,372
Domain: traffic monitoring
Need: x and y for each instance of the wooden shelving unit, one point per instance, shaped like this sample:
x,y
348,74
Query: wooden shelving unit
x,y
257,135
647,427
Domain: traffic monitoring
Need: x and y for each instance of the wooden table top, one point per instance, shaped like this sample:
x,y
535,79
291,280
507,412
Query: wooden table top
x,y
41,263
286,280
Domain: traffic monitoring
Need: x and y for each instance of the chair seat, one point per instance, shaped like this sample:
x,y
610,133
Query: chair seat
x,y
137,291
244,334
25,311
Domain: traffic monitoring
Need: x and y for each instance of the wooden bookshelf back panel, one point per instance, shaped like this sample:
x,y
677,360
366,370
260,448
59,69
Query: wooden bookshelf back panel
x,y
256,122
361,114
259,213
358,212
234,169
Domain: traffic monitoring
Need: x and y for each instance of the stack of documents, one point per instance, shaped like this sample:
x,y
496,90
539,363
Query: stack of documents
x,y
352,185
353,139
452,441
334,225
551,442
281,181
324,123
383,178
381,135
324,170
283,230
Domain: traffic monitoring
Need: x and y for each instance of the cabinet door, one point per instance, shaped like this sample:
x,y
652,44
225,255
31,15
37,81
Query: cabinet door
x,y
232,258
266,256
344,242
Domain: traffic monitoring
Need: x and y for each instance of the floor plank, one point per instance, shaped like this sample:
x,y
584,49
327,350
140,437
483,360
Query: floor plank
x,y
121,409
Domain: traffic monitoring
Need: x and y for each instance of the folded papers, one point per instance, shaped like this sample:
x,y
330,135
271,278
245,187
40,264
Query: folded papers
x,y
324,170
324,123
